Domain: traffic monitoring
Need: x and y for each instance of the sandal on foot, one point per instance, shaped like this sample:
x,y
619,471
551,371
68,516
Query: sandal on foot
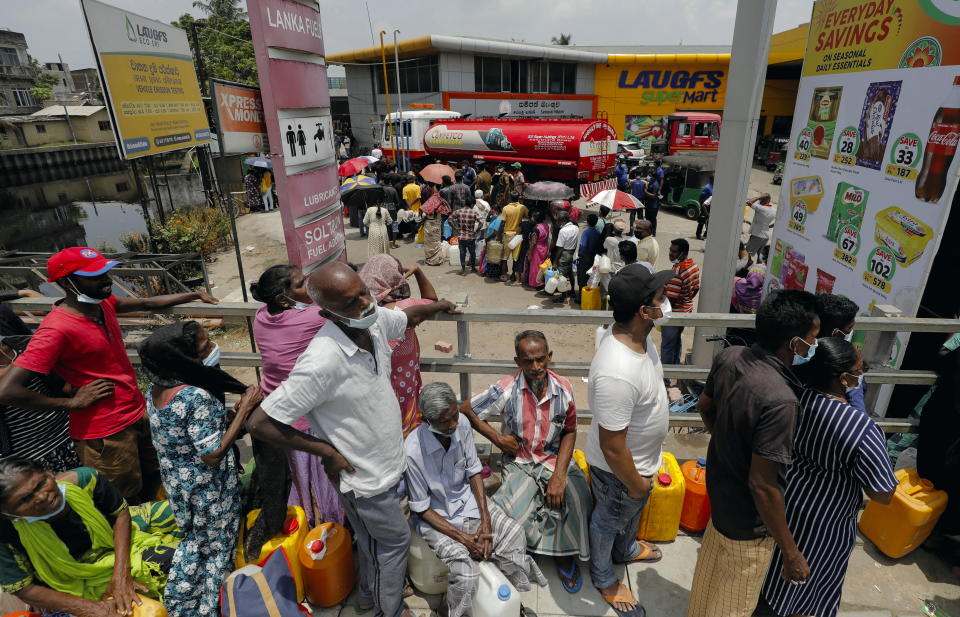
x,y
359,609
636,611
648,554
571,579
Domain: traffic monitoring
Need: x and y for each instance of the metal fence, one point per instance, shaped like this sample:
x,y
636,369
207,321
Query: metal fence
x,y
878,329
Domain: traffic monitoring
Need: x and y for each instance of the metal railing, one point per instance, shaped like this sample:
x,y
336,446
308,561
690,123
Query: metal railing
x,y
463,364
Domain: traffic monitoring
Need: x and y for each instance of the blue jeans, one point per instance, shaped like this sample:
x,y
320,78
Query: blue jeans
x,y
671,344
613,526
471,246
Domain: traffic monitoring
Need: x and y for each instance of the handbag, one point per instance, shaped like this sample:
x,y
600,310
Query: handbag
x,y
253,591
494,251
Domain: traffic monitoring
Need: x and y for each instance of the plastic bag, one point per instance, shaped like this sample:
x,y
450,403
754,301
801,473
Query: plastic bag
x,y
550,273
563,284
515,242
545,264
149,608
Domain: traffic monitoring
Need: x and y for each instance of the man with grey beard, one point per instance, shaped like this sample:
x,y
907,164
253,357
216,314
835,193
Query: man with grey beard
x,y
542,488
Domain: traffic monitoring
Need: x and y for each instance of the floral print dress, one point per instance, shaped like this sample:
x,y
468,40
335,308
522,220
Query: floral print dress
x,y
205,500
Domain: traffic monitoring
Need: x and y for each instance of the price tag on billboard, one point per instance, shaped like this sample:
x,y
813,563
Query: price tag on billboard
x,y
804,141
905,156
847,144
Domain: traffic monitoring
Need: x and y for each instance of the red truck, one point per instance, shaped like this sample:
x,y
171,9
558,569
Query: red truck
x,y
688,131
563,149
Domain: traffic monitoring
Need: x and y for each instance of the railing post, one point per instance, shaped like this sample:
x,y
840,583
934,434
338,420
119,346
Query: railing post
x,y
463,353
877,348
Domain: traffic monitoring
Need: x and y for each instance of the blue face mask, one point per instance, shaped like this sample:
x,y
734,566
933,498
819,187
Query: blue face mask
x,y
213,358
811,351
441,433
63,504
859,383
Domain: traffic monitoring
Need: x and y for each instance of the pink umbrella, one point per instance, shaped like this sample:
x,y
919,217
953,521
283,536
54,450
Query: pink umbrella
x,y
435,173
616,200
353,166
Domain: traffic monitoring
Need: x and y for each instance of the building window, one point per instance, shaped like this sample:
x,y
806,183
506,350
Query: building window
x,y
553,77
40,128
104,125
23,98
122,187
9,57
416,75
499,75
782,125
684,129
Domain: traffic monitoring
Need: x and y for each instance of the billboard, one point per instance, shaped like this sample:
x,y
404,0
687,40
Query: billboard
x,y
871,172
148,79
482,105
288,43
238,112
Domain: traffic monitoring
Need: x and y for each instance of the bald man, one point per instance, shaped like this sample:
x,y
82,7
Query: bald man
x,y
647,247
341,384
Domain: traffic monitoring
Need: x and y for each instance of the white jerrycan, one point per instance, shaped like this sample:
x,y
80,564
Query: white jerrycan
x,y
496,597
427,572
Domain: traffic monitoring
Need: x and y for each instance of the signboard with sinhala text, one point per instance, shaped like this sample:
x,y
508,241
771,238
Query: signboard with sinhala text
x,y
149,81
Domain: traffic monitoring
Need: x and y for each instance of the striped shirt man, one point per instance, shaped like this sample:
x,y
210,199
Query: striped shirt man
x,y
683,286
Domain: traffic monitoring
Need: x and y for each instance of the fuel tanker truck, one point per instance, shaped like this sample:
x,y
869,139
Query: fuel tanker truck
x,y
571,150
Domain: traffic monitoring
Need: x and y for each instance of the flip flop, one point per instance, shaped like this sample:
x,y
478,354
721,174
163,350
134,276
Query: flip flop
x,y
573,574
648,554
359,610
636,611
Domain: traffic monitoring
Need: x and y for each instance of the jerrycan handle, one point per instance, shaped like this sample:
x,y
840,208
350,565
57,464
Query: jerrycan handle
x,y
923,485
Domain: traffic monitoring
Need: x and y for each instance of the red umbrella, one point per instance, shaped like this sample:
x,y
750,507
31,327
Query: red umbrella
x,y
352,167
435,173
616,200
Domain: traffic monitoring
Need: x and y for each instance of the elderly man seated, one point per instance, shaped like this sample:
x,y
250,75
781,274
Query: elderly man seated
x,y
445,492
547,494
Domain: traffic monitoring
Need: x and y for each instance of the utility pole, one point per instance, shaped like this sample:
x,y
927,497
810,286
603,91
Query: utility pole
x,y
201,70
386,90
66,112
741,111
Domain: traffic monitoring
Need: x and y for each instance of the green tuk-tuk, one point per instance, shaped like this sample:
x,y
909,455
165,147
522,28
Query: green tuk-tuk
x,y
684,177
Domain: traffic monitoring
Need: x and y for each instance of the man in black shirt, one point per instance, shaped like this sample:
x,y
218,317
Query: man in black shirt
x,y
749,405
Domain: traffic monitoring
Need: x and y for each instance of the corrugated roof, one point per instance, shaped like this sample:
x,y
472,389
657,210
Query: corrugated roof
x,y
73,110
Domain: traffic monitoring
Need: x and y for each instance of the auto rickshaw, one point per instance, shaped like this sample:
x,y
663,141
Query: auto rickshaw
x,y
684,177
778,174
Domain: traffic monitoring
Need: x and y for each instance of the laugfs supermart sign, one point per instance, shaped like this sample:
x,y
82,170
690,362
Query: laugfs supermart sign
x,y
288,44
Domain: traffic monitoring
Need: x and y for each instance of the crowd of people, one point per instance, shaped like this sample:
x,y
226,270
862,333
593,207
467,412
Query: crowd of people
x,y
85,527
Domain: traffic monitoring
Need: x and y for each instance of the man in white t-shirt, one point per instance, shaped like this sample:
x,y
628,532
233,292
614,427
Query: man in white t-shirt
x,y
341,384
630,419
764,215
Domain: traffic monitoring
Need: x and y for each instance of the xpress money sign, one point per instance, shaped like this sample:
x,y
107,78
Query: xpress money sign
x,y
660,86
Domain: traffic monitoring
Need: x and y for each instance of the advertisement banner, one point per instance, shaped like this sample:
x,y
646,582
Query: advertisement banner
x,y
870,171
149,81
535,106
239,117
288,44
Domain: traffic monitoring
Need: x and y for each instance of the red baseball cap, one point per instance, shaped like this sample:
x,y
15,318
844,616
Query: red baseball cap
x,y
80,260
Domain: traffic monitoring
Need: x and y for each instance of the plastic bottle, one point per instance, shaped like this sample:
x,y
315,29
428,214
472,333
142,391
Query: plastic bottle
x,y
427,573
496,597
941,147
326,560
696,503
660,521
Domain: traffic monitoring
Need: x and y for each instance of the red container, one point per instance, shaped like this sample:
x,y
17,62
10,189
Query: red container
x,y
696,504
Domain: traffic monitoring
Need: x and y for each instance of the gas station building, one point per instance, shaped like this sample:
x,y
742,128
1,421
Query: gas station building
x,y
632,86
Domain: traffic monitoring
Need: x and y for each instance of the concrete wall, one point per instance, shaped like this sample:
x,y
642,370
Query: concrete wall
x,y
56,130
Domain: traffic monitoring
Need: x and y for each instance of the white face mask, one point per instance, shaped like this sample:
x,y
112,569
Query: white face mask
x,y
213,358
666,309
742,263
297,305
847,336
362,323
675,261
63,504
440,433
81,297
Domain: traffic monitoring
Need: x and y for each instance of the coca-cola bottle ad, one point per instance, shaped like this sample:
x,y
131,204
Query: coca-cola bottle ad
x,y
941,147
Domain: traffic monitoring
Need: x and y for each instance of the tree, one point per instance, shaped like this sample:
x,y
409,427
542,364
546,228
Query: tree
x,y
42,89
563,39
226,9
226,46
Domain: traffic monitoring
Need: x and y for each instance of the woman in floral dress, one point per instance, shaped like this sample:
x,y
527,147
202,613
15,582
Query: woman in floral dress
x,y
386,278
194,438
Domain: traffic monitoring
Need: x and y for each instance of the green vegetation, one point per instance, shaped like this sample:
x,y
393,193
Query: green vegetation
x,y
201,230
226,48
42,89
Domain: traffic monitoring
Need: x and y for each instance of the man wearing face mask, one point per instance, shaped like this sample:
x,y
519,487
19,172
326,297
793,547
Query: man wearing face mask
x,y
680,291
80,341
838,318
341,384
630,421
749,405
451,511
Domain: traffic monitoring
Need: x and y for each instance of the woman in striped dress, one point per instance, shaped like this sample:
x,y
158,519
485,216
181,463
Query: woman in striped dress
x,y
839,454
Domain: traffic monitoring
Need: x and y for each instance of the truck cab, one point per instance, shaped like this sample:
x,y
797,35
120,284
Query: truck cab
x,y
409,135
687,131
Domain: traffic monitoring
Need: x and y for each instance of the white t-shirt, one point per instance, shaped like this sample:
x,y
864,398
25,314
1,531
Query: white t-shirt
x,y
567,236
627,392
647,249
346,396
763,217
612,246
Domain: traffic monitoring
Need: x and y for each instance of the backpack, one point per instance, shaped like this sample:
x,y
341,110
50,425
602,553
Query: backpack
x,y
253,591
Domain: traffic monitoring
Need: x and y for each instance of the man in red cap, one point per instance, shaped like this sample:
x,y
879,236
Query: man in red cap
x,y
80,341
